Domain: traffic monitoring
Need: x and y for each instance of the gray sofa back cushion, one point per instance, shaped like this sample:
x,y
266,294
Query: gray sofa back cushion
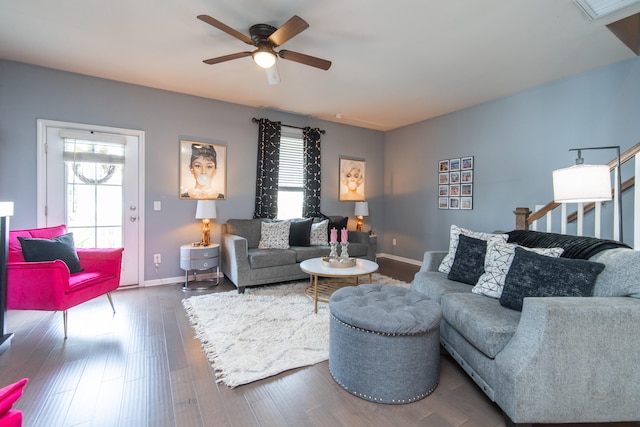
x,y
621,276
247,228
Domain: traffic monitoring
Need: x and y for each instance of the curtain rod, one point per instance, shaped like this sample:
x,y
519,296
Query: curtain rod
x,y
322,131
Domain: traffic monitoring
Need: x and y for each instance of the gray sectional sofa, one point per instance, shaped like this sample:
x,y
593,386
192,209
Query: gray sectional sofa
x,y
244,264
560,359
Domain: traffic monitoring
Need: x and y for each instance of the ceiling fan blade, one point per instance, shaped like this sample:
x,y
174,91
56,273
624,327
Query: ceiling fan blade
x,y
312,61
288,30
222,27
226,58
273,76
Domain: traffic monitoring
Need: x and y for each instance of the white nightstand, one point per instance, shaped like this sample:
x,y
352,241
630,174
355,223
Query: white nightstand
x,y
199,258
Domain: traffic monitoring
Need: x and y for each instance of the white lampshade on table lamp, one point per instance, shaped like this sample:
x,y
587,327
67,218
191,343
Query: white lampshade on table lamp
x,y
362,210
206,211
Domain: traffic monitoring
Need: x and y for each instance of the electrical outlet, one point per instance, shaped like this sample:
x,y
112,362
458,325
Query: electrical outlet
x,y
157,259
393,242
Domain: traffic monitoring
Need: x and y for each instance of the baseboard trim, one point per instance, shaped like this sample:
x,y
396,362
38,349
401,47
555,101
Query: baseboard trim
x,y
180,279
401,259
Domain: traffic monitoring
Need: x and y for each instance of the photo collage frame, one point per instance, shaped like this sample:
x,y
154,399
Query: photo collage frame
x,y
455,183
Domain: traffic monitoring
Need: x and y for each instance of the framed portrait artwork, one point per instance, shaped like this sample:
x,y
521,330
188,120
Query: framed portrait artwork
x,y
351,187
455,183
203,171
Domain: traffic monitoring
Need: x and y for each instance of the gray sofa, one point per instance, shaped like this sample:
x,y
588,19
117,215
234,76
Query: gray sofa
x,y
244,264
559,360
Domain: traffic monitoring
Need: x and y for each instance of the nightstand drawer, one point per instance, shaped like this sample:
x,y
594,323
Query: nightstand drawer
x,y
203,264
199,251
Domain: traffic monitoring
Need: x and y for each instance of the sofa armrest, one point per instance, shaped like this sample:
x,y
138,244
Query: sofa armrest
x,y
575,359
363,237
432,260
103,260
44,282
235,259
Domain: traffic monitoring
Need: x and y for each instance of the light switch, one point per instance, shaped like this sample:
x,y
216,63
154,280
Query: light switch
x,y
157,205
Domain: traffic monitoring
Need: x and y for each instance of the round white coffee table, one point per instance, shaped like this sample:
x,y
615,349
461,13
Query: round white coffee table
x,y
315,268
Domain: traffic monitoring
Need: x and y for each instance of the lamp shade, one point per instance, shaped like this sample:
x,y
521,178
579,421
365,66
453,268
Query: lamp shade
x,y
362,209
206,209
582,183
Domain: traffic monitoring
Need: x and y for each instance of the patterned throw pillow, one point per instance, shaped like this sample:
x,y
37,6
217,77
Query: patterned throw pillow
x,y
497,263
318,235
447,262
274,235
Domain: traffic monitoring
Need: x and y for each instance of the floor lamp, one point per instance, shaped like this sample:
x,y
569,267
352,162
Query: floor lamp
x,y
588,183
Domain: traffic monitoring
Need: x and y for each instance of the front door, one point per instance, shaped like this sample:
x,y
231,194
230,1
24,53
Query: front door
x,y
91,184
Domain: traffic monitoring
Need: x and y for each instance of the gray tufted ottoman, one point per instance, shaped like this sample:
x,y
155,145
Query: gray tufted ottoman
x,y
384,343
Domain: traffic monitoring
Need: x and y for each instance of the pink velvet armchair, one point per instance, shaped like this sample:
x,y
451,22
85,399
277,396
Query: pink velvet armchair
x,y
49,285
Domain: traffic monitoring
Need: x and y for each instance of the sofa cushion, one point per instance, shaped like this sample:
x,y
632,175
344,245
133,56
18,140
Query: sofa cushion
x,y
300,232
534,275
247,228
455,232
497,263
481,320
319,233
620,276
304,253
274,235
468,264
61,247
435,284
263,258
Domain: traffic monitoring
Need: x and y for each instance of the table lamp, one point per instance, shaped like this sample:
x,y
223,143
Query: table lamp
x,y
362,209
206,211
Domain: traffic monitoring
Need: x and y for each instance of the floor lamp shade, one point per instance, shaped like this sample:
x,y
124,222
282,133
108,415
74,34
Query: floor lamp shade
x,y
582,183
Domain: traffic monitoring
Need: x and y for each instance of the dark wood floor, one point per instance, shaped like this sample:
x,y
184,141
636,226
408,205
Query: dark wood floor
x,y
143,367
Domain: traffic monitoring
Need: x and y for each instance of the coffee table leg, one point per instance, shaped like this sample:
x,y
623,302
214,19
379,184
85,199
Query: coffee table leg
x,y
315,292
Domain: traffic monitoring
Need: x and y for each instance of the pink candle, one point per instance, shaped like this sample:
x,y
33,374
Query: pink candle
x,y
334,235
345,235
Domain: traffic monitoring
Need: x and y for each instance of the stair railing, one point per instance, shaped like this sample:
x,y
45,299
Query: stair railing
x,y
525,219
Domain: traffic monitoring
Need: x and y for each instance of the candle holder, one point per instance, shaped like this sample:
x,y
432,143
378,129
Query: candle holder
x,y
344,253
334,250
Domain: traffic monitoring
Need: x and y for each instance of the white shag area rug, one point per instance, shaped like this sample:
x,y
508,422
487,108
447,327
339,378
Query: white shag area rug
x,y
265,331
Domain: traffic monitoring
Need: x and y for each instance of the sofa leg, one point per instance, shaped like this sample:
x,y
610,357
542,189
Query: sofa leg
x,y
510,423
64,323
111,302
241,290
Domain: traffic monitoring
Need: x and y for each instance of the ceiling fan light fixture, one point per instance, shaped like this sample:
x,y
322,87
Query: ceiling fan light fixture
x,y
264,57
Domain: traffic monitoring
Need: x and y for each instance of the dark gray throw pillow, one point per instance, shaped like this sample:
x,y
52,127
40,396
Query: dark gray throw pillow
x,y
300,232
468,264
534,275
61,247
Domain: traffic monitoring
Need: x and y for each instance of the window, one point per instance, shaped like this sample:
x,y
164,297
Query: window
x,y
291,174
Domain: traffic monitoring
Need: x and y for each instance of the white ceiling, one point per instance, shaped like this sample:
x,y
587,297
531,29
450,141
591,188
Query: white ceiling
x,y
394,62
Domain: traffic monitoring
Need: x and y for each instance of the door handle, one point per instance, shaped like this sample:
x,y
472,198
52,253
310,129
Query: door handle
x,y
133,218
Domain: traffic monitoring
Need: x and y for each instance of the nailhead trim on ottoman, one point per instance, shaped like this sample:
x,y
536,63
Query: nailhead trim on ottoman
x,y
384,343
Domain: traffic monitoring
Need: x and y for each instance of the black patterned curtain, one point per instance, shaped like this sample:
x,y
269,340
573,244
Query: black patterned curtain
x,y
311,201
267,173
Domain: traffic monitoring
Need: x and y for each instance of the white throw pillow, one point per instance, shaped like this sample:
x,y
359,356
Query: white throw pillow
x,y
447,262
319,232
274,235
497,263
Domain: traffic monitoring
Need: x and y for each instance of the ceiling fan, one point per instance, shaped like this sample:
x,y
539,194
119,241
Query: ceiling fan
x,y
266,38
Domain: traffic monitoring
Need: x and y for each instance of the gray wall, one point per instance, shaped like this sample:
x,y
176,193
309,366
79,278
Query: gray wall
x,y
28,93
517,142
